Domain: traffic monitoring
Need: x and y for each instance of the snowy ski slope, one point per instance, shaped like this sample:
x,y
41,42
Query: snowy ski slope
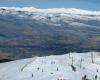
x,y
54,67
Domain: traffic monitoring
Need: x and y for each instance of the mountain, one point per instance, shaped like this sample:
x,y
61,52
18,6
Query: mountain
x,y
53,68
28,31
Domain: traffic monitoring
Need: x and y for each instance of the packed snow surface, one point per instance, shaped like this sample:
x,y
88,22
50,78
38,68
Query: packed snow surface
x,y
54,67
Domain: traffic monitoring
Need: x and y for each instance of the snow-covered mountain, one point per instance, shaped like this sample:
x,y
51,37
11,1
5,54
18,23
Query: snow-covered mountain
x,y
53,10
71,66
48,31
53,13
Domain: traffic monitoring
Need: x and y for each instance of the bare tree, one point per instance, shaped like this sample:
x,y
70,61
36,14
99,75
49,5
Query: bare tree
x,y
92,57
81,62
72,60
69,56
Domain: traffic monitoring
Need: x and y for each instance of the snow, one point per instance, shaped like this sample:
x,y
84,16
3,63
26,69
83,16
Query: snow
x,y
54,10
52,16
54,67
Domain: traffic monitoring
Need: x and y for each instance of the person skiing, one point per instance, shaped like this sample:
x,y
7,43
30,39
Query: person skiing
x,y
38,69
84,77
57,69
32,75
42,70
96,77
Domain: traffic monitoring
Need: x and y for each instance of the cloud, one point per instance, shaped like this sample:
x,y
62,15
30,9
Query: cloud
x,y
82,4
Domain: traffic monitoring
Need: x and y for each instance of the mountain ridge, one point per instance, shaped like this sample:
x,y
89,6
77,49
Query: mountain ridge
x,y
53,10
25,34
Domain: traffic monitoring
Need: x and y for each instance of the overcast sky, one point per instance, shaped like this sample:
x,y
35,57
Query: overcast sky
x,y
81,4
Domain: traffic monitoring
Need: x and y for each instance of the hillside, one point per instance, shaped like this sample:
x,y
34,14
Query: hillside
x,y
53,67
28,31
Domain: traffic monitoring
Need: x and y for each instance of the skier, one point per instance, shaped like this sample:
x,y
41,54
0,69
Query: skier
x,y
42,70
57,69
97,70
32,75
95,77
38,69
85,77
